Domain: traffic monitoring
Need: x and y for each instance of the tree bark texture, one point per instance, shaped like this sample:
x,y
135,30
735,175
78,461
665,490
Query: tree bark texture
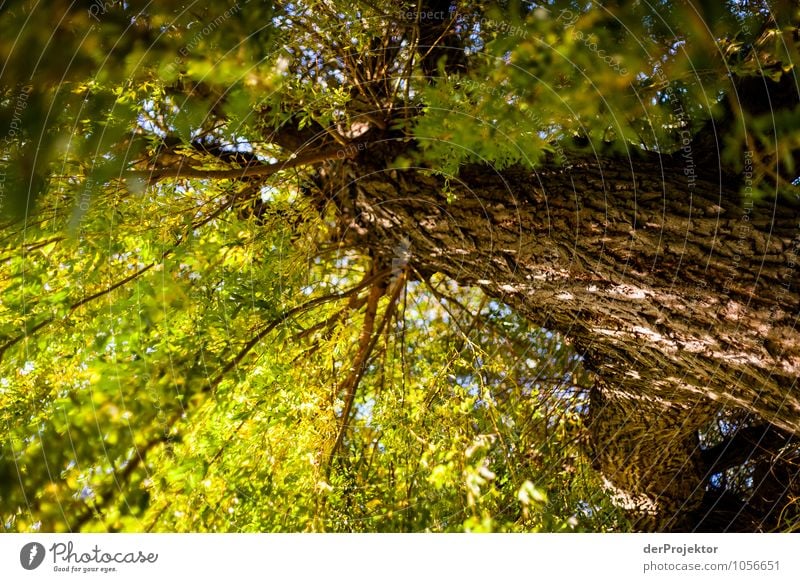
x,y
681,295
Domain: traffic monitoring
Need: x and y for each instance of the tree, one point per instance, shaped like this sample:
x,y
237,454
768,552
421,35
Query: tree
x,y
401,266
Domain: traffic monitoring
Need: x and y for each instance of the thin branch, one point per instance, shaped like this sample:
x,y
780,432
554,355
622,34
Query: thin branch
x,y
350,383
75,306
121,477
253,342
367,340
441,298
328,323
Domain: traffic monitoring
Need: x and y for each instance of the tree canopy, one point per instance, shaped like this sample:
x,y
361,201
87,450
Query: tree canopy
x,y
386,266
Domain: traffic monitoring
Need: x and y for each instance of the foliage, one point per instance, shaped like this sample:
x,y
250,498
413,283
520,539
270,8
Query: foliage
x,y
201,352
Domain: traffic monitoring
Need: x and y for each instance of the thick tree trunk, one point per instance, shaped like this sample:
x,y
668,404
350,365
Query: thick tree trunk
x,y
682,297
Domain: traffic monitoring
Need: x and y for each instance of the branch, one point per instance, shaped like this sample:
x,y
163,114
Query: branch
x,y
332,320
47,321
350,382
261,170
745,444
253,342
121,477
75,306
367,340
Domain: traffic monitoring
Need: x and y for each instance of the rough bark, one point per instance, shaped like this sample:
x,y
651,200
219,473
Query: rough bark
x,y
681,295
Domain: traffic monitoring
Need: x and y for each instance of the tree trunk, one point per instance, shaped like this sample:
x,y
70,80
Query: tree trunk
x,y
681,295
